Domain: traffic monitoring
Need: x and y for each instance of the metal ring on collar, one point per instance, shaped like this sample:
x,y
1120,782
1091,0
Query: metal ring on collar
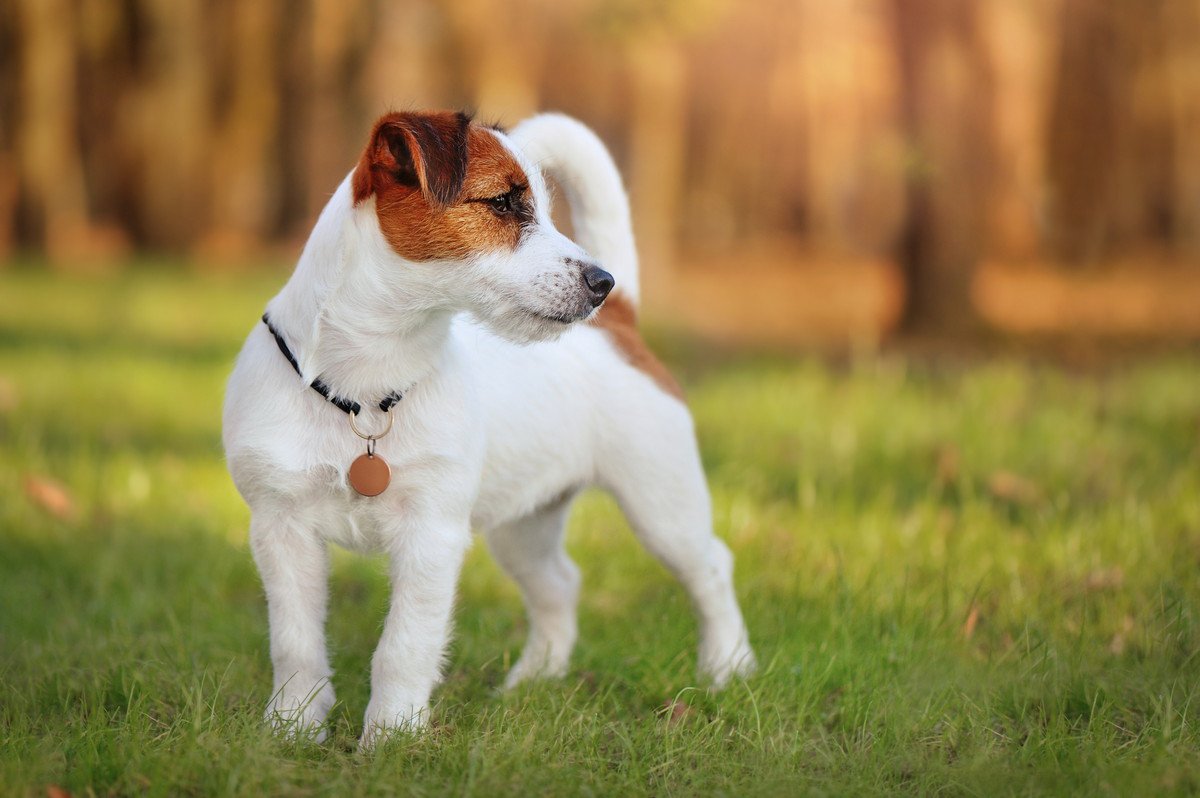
x,y
390,420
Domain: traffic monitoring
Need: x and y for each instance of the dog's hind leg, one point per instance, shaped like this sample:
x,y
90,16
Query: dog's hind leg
x,y
653,469
294,567
531,551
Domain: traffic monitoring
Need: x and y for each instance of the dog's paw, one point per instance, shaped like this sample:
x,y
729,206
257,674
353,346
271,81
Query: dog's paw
x,y
722,666
300,713
532,668
382,722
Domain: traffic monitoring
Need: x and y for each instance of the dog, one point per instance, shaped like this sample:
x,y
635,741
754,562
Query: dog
x,y
441,360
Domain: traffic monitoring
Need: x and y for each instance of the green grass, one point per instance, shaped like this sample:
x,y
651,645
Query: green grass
x,y
971,579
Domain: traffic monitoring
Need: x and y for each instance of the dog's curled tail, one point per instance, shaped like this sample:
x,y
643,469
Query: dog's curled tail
x,y
568,151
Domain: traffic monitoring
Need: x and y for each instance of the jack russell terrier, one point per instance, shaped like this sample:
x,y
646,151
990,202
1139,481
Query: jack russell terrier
x,y
444,359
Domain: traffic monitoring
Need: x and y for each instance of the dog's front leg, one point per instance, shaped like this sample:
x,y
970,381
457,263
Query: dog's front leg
x,y
293,563
425,561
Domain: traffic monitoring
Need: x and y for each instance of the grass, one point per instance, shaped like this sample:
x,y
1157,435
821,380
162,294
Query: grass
x,y
971,579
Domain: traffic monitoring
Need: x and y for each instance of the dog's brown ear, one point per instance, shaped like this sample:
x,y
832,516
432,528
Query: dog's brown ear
x,y
426,151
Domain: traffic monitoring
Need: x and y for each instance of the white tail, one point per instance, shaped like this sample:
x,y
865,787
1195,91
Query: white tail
x,y
575,157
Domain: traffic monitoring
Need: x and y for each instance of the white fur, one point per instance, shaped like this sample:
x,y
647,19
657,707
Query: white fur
x,y
570,152
506,416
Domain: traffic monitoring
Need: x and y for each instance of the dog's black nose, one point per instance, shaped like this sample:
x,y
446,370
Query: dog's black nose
x,y
599,282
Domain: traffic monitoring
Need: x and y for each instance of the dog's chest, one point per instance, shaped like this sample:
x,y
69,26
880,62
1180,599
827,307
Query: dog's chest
x,y
338,514
360,523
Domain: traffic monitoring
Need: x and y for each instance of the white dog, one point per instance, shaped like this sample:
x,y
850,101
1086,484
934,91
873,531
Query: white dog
x,y
436,300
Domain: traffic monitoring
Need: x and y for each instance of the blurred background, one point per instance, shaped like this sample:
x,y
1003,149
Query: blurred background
x,y
800,170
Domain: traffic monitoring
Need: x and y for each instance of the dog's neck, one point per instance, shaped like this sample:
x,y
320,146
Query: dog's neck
x,y
342,325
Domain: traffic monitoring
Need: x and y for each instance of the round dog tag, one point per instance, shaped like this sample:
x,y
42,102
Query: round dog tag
x,y
369,475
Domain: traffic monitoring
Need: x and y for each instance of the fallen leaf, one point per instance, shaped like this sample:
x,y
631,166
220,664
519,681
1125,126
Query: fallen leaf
x,y
1105,579
1012,487
1117,645
676,712
54,791
948,461
8,395
50,496
968,627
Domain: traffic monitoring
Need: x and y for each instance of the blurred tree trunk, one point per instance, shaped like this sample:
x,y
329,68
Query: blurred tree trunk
x,y
293,79
412,60
658,143
1141,208
327,149
107,53
46,136
847,86
945,99
1183,79
173,123
244,202
9,165
1082,148
1021,37
503,83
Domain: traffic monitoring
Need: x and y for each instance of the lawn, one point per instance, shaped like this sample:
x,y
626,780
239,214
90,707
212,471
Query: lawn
x,y
961,578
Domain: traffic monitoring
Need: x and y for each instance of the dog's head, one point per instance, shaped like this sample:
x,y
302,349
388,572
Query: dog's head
x,y
467,220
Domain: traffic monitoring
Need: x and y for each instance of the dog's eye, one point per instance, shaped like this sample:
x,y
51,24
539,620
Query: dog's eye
x,y
501,204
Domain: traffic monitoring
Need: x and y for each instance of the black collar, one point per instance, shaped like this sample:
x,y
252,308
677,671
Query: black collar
x,y
345,405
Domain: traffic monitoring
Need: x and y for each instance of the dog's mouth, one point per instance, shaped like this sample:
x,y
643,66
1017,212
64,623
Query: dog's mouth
x,y
554,318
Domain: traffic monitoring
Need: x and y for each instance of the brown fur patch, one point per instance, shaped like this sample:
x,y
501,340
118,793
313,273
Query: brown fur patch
x,y
618,318
420,225
419,150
